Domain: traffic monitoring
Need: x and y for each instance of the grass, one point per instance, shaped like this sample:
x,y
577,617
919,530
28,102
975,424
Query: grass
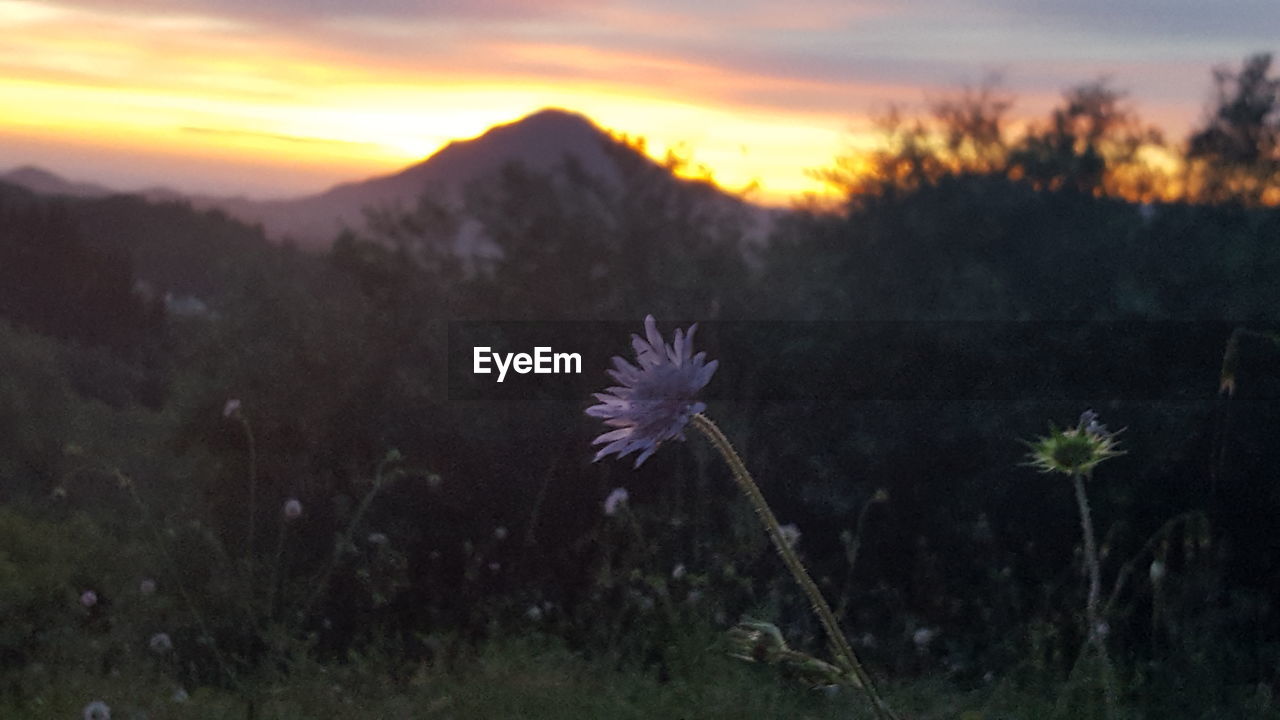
x,y
535,676
529,677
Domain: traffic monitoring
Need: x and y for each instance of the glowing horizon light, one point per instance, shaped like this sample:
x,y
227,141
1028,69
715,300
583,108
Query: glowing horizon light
x,y
272,101
190,101
378,137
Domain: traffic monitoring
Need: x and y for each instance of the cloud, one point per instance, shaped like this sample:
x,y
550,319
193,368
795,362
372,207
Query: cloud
x,y
838,45
1171,22
408,74
276,137
304,12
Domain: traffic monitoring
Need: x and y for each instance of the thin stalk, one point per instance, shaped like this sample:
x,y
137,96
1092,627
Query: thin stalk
x,y
1148,548
161,545
851,550
276,567
1092,614
343,541
530,536
844,652
1090,555
253,500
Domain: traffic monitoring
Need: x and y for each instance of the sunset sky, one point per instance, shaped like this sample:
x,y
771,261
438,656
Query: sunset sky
x,y
287,97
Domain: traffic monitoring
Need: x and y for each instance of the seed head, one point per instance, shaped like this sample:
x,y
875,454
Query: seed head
x,y
1075,450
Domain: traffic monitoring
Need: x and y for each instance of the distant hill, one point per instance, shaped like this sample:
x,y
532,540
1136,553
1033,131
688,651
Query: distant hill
x,y
540,142
44,182
171,246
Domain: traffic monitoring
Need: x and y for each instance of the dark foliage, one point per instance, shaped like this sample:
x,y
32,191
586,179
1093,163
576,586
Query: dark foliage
x,y
904,342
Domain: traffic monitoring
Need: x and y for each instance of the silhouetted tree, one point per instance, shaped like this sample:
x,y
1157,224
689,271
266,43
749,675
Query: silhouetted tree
x,y
907,158
53,282
1086,143
972,127
1236,155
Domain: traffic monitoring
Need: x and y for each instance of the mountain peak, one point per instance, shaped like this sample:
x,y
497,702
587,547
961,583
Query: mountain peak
x,y
552,119
539,140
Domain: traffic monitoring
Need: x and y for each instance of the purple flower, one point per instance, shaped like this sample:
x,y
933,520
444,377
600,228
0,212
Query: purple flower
x,y
160,643
655,398
1090,425
616,500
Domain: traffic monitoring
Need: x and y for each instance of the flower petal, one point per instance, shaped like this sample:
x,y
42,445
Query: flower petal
x,y
655,398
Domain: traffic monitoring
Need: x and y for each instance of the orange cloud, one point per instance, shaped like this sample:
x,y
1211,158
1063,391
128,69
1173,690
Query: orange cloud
x,y
303,98
236,95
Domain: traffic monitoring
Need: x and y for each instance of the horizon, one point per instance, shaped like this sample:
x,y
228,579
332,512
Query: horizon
x,y
230,99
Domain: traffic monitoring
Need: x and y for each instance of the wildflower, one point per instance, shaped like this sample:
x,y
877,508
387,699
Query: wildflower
x,y
377,538
534,613
499,533
616,501
292,509
180,696
147,586
495,566
790,534
678,571
923,637
88,598
654,399
231,409
160,643
1077,450
1157,572
97,710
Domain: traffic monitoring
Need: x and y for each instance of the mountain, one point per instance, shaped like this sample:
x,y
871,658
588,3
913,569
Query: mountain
x,y
540,142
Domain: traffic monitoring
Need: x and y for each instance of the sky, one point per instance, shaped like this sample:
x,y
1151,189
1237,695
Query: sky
x,y
276,98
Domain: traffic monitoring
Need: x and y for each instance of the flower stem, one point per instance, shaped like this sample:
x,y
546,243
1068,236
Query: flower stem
x,y
840,644
253,501
1092,615
344,541
163,547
